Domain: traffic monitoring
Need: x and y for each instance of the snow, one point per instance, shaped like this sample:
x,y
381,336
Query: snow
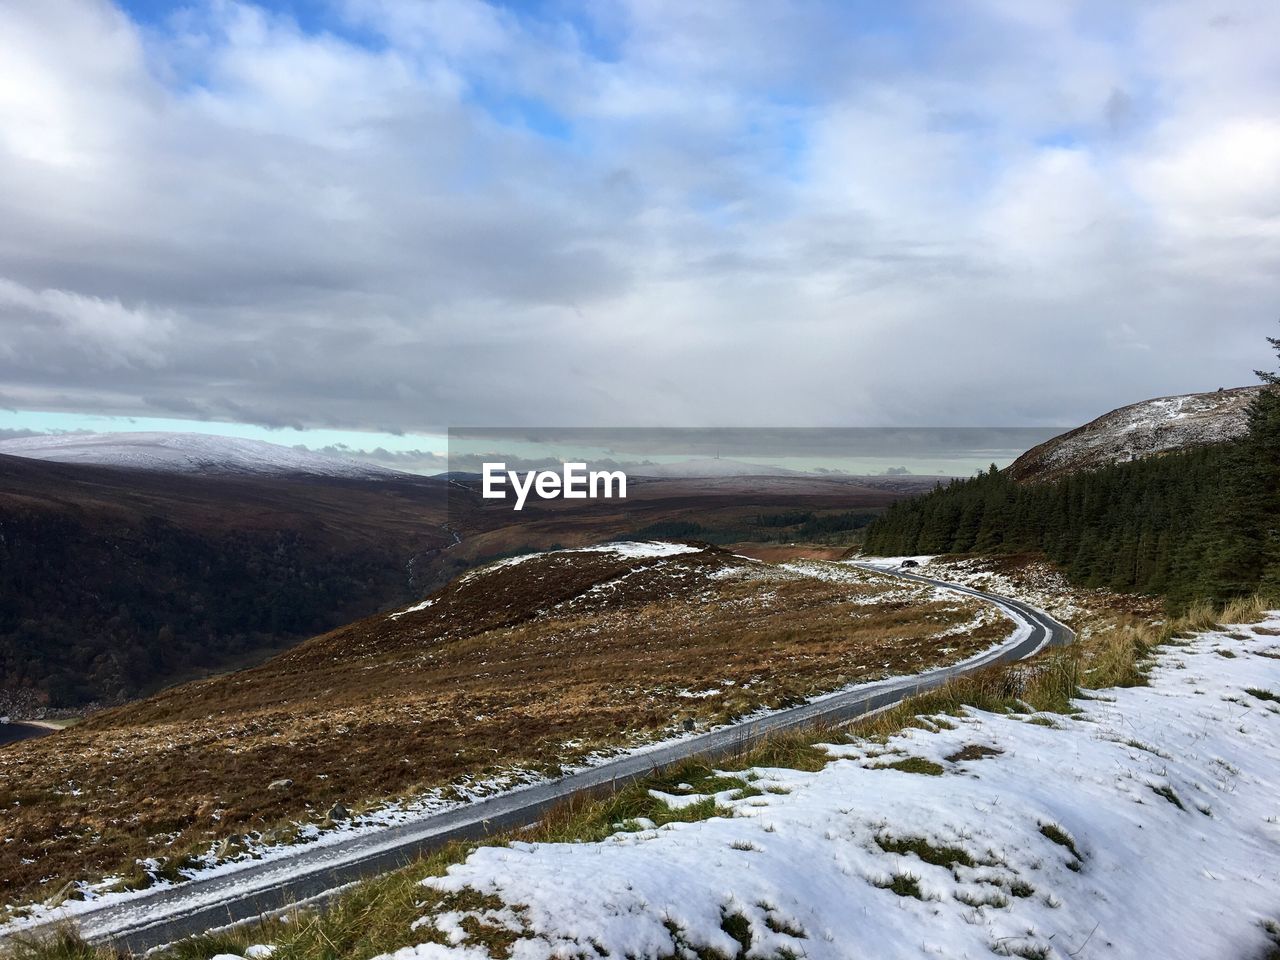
x,y
196,453
625,549
1170,793
639,549
677,801
259,951
431,951
413,609
1141,430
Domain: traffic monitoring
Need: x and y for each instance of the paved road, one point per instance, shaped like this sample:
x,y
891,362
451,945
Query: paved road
x,y
315,872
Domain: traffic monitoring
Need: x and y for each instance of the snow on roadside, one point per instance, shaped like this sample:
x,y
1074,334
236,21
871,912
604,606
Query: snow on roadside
x,y
1147,823
1040,584
894,563
259,951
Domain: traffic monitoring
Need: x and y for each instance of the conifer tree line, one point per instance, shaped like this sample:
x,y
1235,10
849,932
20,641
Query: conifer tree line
x,y
1196,524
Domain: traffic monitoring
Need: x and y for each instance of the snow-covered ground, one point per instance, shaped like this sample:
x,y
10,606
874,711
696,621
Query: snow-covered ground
x,y
625,549
1147,824
1141,430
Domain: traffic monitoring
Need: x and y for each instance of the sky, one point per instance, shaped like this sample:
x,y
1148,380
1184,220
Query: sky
x,y
376,219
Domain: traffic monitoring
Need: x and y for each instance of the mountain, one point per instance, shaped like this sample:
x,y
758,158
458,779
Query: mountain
x,y
190,453
1139,430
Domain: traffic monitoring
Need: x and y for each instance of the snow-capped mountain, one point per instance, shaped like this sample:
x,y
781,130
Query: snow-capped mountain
x,y
189,453
1140,430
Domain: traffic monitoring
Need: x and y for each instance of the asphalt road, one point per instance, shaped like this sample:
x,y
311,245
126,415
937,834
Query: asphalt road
x,y
313,873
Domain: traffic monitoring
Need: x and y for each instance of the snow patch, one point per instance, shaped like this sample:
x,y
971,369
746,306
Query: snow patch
x,y
413,609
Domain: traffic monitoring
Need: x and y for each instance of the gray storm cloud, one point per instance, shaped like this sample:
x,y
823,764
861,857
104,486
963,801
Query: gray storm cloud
x,y
639,213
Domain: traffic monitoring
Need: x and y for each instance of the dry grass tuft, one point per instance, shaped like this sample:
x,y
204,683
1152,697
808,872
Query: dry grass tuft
x,y
1245,610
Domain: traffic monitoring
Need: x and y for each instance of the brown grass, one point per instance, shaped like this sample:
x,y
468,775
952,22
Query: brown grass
x,y
531,665
1246,610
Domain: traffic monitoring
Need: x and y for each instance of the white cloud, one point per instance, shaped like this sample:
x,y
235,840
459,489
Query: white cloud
x,y
733,212
121,335
1221,179
71,83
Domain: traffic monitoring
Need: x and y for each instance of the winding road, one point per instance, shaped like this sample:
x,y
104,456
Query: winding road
x,y
313,873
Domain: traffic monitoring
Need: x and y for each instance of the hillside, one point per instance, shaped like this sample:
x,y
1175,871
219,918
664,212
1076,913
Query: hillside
x,y
119,580
502,677
1145,429
190,453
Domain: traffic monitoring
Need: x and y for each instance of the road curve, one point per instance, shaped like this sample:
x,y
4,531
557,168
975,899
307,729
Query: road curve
x,y
316,872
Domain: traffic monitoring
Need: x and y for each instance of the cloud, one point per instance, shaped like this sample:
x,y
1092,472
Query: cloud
x,y
404,215
120,335
1219,182
409,461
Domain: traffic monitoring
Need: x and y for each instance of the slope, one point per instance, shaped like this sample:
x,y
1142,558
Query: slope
x,y
1146,429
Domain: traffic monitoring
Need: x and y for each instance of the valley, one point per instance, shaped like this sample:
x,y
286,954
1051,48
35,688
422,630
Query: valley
x,y
119,581
126,579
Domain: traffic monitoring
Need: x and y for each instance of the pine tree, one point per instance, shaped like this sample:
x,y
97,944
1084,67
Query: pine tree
x,y
1260,453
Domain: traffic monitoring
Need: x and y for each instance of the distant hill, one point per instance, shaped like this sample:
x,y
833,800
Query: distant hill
x,y
190,453
1139,430
714,467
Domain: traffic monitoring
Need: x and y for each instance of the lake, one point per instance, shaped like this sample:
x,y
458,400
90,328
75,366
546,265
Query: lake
x,y
13,732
